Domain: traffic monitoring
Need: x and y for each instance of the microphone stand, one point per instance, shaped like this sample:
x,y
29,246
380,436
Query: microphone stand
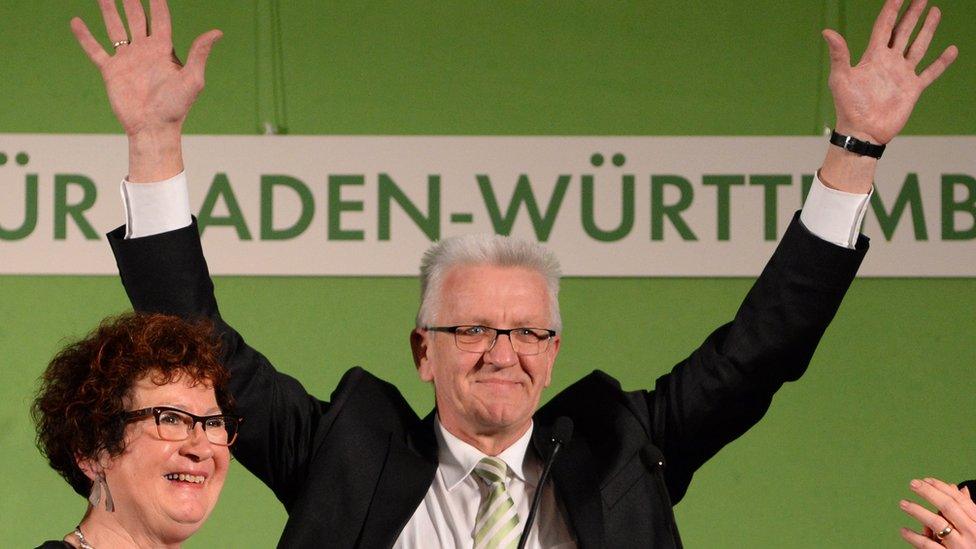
x,y
562,432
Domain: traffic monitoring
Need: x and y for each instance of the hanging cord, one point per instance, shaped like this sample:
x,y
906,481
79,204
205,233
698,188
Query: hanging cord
x,y
278,69
269,71
834,17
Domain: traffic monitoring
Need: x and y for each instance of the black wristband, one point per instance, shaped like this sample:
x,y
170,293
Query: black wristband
x,y
855,145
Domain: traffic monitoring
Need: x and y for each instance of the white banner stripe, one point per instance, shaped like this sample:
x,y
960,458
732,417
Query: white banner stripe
x,y
370,205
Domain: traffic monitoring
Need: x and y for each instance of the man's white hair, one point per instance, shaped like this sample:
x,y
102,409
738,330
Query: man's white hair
x,y
485,249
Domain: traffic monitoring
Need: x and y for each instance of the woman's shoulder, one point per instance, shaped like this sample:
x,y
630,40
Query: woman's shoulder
x,y
55,544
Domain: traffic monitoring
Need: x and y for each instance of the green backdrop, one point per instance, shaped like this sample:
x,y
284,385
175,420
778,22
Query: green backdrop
x,y
886,398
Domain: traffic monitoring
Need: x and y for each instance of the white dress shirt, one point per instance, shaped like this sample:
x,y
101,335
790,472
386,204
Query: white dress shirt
x,y
446,516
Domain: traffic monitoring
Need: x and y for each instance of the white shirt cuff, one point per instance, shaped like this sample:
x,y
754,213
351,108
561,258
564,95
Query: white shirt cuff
x,y
155,208
834,216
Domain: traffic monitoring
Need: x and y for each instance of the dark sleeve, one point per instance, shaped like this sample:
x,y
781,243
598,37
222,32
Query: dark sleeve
x,y
58,544
727,384
167,273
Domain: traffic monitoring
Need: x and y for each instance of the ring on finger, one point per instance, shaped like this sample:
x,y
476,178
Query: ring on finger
x,y
119,43
941,534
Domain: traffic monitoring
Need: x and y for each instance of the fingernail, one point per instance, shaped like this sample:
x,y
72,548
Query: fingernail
x,y
915,483
903,504
929,480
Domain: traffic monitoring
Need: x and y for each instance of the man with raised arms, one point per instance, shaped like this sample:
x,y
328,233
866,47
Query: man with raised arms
x,y
363,470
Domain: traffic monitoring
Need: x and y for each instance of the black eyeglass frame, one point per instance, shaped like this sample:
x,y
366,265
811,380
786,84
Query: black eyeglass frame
x,y
156,411
498,332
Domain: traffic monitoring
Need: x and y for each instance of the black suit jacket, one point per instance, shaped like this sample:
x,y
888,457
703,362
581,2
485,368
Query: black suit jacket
x,y
351,471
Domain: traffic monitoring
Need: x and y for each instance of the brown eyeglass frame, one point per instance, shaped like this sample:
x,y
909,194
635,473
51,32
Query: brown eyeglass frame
x,y
156,411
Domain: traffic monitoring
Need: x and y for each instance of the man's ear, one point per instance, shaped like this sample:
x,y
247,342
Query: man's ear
x,y
553,352
419,344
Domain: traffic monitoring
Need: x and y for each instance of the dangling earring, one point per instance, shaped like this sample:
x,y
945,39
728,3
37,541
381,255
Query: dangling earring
x,y
100,489
96,493
109,503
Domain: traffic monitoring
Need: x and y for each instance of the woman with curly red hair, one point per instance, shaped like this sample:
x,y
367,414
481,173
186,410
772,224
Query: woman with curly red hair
x,y
135,418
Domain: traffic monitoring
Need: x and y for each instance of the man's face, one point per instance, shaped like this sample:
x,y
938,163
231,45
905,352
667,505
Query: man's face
x,y
485,394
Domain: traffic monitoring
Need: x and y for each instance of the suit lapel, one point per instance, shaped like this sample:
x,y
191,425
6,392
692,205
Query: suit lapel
x,y
408,471
576,488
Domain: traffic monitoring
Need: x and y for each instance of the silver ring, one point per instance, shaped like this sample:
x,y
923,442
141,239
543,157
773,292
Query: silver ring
x,y
944,532
120,43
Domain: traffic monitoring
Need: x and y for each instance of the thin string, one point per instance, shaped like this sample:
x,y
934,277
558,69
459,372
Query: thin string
x,y
278,69
270,108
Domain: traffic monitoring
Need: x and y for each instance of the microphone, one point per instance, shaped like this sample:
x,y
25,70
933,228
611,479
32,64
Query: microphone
x,y
562,433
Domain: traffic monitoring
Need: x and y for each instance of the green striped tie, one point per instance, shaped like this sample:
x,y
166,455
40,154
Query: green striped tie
x,y
495,526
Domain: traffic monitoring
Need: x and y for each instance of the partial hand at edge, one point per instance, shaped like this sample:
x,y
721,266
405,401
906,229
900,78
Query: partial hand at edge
x,y
956,511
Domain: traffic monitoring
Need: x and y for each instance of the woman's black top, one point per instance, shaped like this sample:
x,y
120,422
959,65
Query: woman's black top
x,y
59,544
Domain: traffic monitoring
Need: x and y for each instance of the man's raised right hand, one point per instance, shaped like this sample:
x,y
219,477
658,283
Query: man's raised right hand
x,y
149,90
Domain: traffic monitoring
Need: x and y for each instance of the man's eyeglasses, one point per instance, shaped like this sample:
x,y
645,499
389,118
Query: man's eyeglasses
x,y
481,339
175,424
